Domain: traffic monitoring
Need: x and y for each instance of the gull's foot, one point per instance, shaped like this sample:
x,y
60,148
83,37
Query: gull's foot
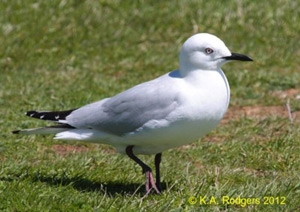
x,y
150,184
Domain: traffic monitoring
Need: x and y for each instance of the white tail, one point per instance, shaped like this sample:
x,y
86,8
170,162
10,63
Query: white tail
x,y
42,130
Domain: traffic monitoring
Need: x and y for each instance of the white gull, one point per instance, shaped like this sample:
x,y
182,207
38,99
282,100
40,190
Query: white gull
x,y
172,110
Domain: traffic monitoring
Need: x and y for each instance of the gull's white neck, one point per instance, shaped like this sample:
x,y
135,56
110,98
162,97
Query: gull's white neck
x,y
211,83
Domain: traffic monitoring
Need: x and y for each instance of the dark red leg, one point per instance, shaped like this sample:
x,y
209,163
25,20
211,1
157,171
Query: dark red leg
x,y
157,161
150,184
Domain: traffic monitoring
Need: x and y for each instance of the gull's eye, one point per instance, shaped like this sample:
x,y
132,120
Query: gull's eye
x,y
209,51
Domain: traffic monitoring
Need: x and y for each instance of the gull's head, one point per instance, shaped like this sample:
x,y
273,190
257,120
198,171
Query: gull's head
x,y
204,51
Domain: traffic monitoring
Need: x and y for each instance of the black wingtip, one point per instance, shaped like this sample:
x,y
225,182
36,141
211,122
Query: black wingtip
x,y
31,113
49,115
36,114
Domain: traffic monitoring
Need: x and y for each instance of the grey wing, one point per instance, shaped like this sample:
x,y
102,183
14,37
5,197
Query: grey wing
x,y
126,111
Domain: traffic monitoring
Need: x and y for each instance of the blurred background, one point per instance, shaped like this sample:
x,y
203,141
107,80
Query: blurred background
x,y
85,50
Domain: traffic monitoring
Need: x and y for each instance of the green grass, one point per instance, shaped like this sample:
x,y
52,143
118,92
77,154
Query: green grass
x,y
64,54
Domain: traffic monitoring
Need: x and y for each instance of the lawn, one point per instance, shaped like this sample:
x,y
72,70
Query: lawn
x,y
57,55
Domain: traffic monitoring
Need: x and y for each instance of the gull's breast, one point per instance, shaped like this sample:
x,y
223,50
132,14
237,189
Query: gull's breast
x,y
202,104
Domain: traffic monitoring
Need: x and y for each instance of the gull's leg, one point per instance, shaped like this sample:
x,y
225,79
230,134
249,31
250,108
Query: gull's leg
x,y
146,170
157,161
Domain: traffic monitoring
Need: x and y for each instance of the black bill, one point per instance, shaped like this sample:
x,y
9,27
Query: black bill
x,y
236,56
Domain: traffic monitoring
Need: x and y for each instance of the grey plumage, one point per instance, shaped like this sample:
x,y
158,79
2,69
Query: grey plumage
x,y
126,111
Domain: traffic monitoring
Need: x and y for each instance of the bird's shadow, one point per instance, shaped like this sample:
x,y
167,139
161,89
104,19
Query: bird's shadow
x,y
85,185
82,184
110,188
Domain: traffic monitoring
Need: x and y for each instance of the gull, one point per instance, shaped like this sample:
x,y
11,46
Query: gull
x,y
172,110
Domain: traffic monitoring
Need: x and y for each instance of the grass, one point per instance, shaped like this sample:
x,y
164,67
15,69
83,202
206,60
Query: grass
x,y
63,54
